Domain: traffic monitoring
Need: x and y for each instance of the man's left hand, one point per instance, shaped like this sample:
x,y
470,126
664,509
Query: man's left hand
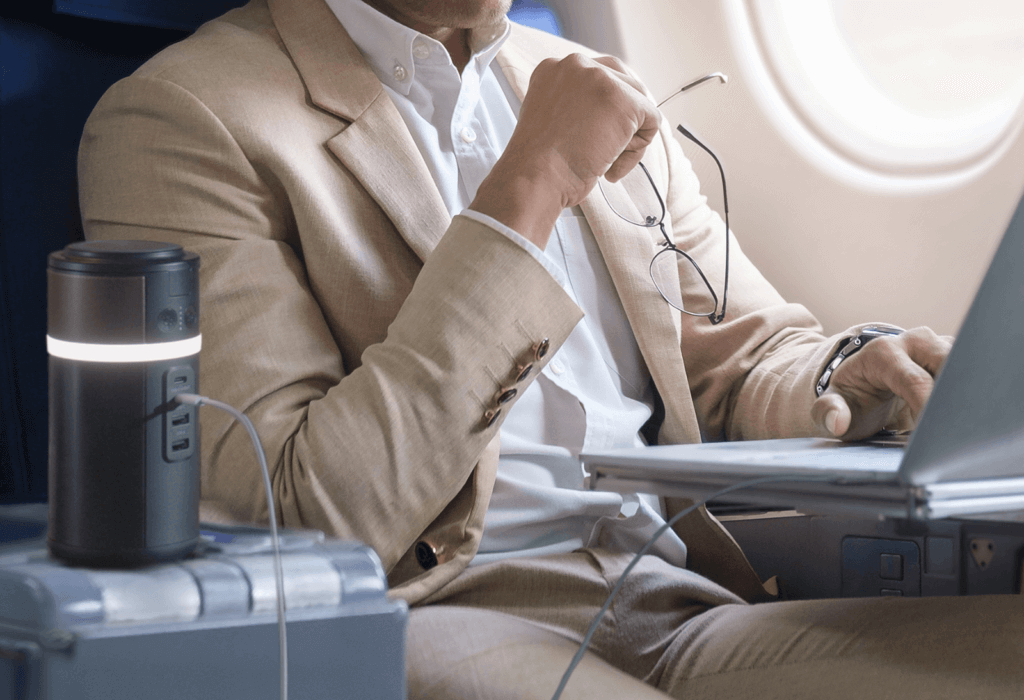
x,y
885,385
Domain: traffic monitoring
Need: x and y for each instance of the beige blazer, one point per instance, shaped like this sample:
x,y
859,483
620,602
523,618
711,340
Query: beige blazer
x,y
365,332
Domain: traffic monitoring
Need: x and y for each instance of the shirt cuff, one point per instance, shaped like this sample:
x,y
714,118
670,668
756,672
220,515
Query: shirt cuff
x,y
529,246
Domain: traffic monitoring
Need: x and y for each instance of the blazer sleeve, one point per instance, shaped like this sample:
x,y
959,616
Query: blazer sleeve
x,y
375,452
753,375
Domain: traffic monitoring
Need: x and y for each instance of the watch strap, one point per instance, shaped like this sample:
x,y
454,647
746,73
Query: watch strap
x,y
849,346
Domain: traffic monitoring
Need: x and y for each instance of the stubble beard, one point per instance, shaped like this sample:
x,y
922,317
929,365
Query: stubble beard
x,y
452,14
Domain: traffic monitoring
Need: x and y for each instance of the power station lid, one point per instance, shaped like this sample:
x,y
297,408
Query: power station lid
x,y
120,256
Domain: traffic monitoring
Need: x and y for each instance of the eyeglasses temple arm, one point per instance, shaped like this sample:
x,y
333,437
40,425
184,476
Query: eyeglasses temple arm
x,y
722,78
725,204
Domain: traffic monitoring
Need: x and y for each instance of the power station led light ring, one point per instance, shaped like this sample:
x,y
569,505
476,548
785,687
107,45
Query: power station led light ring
x,y
134,352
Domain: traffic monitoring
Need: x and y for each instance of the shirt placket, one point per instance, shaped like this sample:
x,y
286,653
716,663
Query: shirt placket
x,y
598,431
469,138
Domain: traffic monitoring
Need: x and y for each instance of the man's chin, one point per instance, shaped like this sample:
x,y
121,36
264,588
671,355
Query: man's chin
x,y
457,14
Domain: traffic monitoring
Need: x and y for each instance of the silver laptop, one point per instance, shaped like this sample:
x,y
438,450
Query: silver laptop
x,y
966,456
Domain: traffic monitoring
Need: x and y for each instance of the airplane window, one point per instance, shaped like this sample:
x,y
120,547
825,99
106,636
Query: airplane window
x,y
536,14
901,86
938,57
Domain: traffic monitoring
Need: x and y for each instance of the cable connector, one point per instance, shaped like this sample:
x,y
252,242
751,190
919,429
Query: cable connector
x,y
190,399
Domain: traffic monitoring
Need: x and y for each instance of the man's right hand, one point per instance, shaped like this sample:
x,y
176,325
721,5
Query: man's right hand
x,y
581,119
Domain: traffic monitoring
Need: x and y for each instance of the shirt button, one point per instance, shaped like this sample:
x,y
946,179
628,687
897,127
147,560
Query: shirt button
x,y
421,51
557,367
400,73
468,135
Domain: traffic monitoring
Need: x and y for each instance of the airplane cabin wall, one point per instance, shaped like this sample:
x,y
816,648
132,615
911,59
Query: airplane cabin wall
x,y
851,240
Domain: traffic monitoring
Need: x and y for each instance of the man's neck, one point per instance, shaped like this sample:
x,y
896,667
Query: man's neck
x,y
455,40
457,44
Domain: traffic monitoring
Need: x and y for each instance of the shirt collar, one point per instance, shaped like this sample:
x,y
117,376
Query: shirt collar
x,y
393,50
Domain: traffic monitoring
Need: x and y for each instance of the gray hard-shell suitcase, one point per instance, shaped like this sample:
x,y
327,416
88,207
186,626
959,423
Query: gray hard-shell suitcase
x,y
204,627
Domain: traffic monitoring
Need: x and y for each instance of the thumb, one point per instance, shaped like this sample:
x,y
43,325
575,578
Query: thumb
x,y
831,414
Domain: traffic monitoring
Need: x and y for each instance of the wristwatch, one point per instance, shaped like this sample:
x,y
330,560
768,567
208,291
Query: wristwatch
x,y
848,346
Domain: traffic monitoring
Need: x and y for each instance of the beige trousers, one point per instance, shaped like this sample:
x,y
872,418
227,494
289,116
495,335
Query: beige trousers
x,y
509,630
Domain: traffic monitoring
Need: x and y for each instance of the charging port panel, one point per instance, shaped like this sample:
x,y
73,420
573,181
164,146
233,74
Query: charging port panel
x,y
179,420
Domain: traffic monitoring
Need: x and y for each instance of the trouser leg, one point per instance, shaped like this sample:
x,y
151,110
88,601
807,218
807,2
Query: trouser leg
x,y
457,653
934,648
509,630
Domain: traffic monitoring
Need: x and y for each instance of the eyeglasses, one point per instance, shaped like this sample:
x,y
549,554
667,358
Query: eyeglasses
x,y
648,210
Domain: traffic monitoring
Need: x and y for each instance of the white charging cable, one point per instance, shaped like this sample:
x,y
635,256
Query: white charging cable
x,y
650,543
197,400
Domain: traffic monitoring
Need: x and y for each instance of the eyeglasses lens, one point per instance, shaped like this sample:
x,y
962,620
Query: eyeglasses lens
x,y
672,266
634,198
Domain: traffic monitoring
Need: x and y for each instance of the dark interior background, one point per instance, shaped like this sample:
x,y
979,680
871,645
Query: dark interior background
x,y
58,58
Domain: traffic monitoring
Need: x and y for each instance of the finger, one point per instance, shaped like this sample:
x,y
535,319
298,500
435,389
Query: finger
x,y
648,121
633,152
653,117
889,364
899,418
926,348
831,414
625,163
623,73
913,384
838,416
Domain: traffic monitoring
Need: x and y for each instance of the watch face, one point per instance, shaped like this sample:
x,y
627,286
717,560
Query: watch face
x,y
878,330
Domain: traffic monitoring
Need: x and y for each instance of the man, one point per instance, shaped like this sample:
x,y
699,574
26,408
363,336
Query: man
x,y
395,205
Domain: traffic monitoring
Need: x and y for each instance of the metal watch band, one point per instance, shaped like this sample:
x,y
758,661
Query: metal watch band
x,y
848,346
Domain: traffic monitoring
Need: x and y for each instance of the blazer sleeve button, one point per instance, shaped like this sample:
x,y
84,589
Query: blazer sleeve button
x,y
506,395
490,416
524,371
426,555
540,350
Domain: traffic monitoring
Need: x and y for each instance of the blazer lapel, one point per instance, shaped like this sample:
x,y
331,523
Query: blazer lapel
x,y
378,149
627,251
375,145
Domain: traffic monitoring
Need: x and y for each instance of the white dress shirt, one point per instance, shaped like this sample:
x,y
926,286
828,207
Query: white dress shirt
x,y
596,392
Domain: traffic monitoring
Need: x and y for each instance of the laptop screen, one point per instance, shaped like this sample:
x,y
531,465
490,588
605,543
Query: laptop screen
x,y
973,425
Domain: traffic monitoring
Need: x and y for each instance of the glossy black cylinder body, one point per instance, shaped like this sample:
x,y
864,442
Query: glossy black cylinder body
x,y
123,333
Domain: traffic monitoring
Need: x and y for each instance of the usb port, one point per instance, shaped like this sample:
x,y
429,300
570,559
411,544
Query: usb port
x,y
183,419
179,445
180,379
